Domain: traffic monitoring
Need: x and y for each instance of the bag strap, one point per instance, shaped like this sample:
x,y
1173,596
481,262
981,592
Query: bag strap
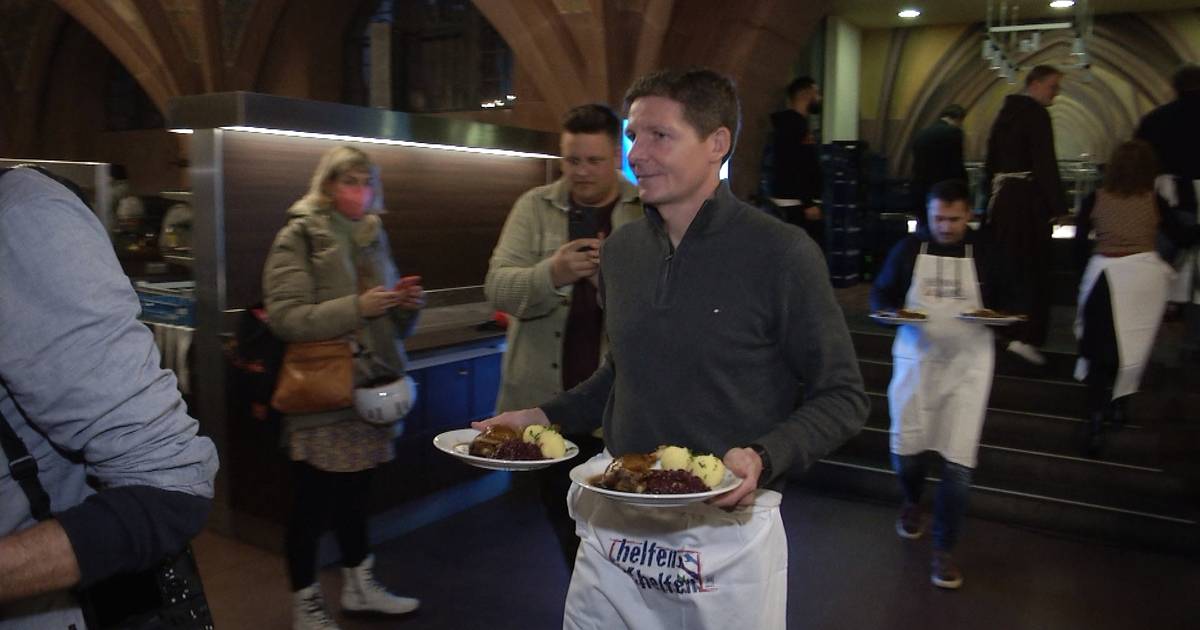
x,y
24,470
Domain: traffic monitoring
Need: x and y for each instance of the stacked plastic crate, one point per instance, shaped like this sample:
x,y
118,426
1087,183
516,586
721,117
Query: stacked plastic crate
x,y
843,208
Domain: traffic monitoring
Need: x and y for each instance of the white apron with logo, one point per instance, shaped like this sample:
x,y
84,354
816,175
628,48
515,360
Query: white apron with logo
x,y
942,368
693,566
1138,285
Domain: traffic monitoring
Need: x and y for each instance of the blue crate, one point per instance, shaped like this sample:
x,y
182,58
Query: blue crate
x,y
167,303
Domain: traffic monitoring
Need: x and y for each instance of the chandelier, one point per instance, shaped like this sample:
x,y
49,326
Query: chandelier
x,y
1007,38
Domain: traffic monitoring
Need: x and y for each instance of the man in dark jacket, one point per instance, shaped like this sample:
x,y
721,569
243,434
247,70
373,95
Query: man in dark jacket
x,y
1026,196
1174,132
937,156
796,173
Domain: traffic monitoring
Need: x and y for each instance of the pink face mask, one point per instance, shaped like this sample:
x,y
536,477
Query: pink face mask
x,y
351,201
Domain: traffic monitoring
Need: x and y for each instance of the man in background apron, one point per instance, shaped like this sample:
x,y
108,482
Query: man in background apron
x,y
716,313
1026,196
942,367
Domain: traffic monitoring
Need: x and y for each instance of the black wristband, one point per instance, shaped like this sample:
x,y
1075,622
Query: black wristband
x,y
766,462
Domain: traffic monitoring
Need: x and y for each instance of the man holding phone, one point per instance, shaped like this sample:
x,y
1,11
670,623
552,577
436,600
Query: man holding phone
x,y
543,273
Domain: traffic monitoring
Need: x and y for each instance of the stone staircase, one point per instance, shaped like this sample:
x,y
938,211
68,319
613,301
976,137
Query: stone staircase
x,y
1031,472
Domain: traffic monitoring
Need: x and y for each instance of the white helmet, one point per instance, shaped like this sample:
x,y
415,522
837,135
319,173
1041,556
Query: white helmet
x,y
385,405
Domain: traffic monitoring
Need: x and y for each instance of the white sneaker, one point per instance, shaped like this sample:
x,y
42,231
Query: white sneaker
x,y
362,593
308,610
1027,352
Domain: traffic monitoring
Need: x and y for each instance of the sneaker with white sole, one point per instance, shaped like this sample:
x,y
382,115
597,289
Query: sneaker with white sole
x,y
945,572
308,610
361,592
910,523
1027,352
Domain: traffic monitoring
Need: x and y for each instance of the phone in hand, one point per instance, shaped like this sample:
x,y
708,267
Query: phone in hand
x,y
582,223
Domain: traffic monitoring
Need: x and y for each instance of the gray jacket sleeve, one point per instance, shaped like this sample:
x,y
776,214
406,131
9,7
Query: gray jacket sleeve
x,y
84,371
819,351
518,280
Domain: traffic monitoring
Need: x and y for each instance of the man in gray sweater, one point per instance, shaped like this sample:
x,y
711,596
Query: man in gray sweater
x,y
719,318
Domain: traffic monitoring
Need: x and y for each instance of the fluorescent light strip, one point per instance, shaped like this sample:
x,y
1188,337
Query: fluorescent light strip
x,y
403,143
182,130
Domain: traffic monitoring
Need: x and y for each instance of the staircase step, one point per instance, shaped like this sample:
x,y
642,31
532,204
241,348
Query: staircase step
x,y
842,476
1059,435
1008,392
1060,366
1123,486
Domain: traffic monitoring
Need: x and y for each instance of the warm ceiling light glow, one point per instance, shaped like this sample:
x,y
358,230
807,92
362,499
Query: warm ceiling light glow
x,y
909,13
403,143
1062,4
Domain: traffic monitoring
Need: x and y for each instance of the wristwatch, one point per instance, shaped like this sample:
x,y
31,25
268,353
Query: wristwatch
x,y
766,462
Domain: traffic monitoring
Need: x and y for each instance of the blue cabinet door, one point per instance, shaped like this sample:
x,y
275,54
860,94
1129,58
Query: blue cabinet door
x,y
485,385
447,396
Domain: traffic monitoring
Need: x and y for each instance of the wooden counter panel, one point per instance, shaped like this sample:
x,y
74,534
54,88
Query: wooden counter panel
x,y
445,208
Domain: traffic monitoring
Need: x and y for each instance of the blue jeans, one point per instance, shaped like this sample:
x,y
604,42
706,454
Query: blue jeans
x,y
950,504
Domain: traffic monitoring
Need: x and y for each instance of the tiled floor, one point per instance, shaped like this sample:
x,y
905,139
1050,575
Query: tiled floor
x,y
496,566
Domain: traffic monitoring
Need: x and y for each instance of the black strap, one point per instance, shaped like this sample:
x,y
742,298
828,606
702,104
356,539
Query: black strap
x,y
24,470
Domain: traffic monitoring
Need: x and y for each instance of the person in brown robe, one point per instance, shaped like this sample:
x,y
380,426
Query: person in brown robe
x,y
1026,196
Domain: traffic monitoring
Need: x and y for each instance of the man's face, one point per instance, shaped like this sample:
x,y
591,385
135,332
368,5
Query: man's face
x,y
673,164
1043,91
948,221
589,163
808,101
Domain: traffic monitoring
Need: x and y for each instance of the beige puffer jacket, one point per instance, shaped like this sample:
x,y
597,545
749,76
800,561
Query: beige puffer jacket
x,y
310,290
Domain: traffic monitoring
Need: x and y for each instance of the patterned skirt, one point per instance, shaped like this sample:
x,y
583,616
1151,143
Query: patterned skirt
x,y
346,446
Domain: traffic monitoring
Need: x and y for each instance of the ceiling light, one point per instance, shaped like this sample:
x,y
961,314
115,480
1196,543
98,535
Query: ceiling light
x,y
909,13
1062,4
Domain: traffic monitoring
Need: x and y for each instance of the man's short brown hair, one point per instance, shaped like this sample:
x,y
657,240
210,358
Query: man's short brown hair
x,y
593,118
1041,72
709,99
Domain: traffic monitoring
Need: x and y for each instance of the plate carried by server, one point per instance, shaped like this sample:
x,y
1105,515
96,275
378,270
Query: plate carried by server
x,y
457,443
587,472
902,316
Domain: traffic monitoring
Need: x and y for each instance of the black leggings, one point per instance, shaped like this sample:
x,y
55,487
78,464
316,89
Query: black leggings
x,y
1099,346
322,497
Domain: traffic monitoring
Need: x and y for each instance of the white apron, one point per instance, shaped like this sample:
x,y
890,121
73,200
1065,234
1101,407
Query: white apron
x,y
1138,284
942,368
693,566
1185,285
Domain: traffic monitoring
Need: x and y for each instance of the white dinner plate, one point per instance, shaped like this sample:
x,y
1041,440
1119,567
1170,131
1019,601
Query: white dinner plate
x,y
892,319
992,321
458,444
583,473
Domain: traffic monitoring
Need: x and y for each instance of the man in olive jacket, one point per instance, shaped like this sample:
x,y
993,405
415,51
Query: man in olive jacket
x,y
543,273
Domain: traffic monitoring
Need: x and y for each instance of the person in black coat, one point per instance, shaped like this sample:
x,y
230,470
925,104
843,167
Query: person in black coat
x,y
1173,130
796,181
937,156
1026,197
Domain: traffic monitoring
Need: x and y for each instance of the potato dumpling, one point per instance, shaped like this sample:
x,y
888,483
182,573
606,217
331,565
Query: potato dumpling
x,y
532,432
709,469
674,458
552,444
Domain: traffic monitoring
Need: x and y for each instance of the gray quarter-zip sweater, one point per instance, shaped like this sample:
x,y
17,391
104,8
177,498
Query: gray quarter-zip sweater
x,y
710,342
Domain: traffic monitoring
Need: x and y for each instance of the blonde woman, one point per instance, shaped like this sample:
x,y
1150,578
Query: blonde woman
x,y
330,275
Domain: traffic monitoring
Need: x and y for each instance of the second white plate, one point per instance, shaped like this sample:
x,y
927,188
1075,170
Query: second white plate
x,y
457,443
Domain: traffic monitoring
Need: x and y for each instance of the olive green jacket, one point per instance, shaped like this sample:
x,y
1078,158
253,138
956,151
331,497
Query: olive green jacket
x,y
518,283
311,287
